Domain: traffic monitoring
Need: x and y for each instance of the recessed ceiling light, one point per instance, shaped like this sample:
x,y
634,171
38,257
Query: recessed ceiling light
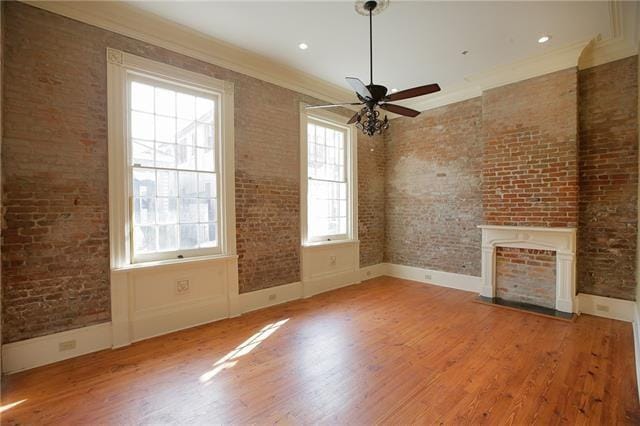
x,y
394,90
544,39
303,46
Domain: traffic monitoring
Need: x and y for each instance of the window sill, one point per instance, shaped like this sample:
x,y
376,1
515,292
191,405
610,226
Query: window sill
x,y
329,243
175,262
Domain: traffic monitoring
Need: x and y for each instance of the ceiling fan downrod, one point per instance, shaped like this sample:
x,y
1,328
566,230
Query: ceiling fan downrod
x,y
373,97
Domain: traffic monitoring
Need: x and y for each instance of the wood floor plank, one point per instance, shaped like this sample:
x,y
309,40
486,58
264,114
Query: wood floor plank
x,y
384,351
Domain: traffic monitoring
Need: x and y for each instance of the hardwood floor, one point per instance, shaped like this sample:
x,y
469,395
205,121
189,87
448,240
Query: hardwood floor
x,y
385,351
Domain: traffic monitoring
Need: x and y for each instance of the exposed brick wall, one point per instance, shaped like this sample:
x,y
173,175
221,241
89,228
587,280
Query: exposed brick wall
x,y
526,276
433,189
608,219
530,171
55,251
371,199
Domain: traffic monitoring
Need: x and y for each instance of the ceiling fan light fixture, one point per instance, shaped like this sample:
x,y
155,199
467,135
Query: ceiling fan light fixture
x,y
369,122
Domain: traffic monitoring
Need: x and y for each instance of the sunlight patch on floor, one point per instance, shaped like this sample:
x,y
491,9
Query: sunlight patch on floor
x,y
230,359
6,407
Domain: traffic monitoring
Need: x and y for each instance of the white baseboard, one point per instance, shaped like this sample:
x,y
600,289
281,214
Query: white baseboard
x,y
606,307
270,296
372,271
44,350
439,278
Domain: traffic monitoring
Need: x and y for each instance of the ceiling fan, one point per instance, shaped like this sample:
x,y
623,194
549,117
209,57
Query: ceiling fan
x,y
374,95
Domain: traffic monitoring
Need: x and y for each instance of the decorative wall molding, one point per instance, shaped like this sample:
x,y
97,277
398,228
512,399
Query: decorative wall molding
x,y
44,350
606,307
430,276
145,26
130,21
145,302
560,240
583,54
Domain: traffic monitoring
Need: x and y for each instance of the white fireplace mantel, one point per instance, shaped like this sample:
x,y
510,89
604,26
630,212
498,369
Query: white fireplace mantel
x,y
560,240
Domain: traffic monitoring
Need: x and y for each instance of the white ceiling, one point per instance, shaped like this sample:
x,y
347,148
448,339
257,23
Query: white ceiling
x,y
415,42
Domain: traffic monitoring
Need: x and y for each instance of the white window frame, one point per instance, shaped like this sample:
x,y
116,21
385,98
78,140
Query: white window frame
x,y
337,121
121,66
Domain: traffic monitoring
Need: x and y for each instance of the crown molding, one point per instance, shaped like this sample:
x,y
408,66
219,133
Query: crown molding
x,y
132,22
129,21
624,42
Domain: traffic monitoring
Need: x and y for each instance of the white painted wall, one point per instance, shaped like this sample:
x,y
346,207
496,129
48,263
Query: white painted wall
x,y
147,300
329,266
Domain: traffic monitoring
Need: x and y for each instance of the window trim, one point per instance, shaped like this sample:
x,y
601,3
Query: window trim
x,y
351,163
120,66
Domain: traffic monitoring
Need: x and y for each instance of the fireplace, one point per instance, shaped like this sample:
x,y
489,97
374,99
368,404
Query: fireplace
x,y
535,243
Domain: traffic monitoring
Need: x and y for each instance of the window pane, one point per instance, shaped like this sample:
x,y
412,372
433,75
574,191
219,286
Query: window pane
x,y
205,159
206,185
167,210
188,236
165,129
186,106
186,157
188,184
144,211
207,210
167,181
327,208
165,155
165,102
142,125
204,136
172,144
188,210
141,97
207,234
167,237
142,153
186,134
144,183
204,110
144,239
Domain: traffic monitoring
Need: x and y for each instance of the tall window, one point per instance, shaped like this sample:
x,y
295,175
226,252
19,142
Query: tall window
x,y
173,139
329,192
171,162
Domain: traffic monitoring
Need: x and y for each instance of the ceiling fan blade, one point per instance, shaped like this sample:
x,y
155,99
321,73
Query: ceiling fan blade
x,y
332,105
412,93
359,87
353,119
397,109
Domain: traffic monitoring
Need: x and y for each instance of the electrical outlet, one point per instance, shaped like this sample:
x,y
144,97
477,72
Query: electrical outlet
x,y
332,260
427,276
182,286
602,308
272,297
67,345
